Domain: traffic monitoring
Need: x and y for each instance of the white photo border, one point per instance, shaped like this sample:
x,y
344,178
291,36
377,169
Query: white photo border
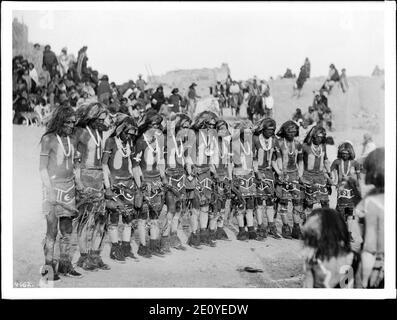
x,y
9,292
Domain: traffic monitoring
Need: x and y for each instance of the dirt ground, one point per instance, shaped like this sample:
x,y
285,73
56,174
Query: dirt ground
x,y
356,112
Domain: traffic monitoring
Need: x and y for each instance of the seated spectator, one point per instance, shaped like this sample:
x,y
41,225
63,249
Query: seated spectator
x,y
305,125
21,106
175,100
44,77
332,79
68,83
73,97
84,99
21,84
114,105
297,115
311,116
288,74
43,110
72,74
158,98
88,88
104,91
61,86
135,112
123,106
115,90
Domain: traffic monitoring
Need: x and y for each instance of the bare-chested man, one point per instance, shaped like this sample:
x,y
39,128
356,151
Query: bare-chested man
x,y
57,174
204,127
175,171
148,171
221,167
316,174
244,180
92,121
120,185
267,152
346,175
289,187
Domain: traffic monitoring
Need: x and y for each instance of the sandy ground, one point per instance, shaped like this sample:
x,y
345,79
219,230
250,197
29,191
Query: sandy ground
x,y
209,267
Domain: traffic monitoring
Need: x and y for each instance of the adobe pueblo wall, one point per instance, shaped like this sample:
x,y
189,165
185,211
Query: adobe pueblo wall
x,y
182,79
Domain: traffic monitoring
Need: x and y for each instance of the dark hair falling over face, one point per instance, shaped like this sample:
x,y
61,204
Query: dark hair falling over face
x,y
374,165
346,147
313,132
329,237
89,113
58,119
288,124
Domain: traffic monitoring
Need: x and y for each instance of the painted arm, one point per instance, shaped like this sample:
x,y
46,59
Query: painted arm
x,y
44,157
255,163
277,162
334,173
77,173
106,171
45,178
77,165
105,163
135,163
328,173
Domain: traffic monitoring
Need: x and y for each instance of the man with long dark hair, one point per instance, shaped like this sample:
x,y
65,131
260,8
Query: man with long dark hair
x,y
92,121
221,167
204,127
148,171
328,257
244,180
289,187
175,172
120,185
346,175
317,174
267,153
58,148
